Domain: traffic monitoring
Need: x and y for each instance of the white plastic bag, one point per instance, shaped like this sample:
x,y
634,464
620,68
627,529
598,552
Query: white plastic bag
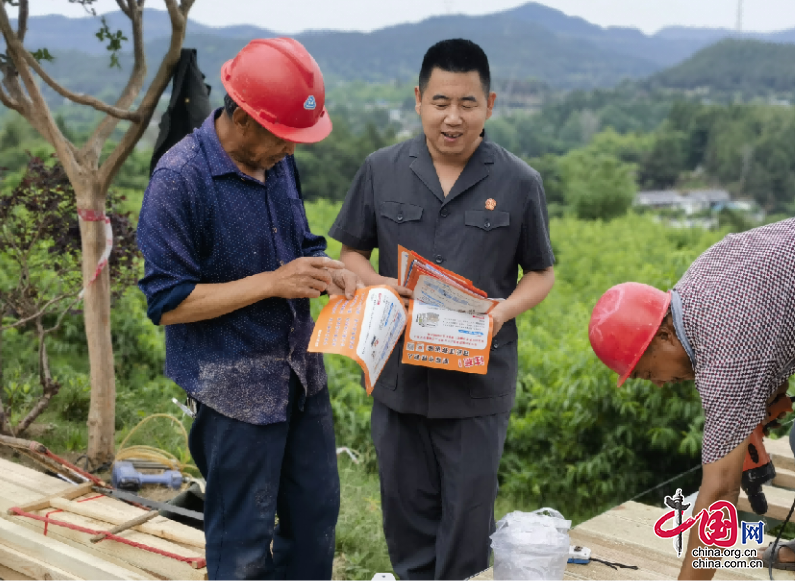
x,y
531,545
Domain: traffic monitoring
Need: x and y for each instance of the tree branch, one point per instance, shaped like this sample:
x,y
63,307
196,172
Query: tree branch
x,y
41,313
48,387
8,102
34,107
44,362
185,6
58,322
149,102
124,7
93,146
21,56
22,21
79,98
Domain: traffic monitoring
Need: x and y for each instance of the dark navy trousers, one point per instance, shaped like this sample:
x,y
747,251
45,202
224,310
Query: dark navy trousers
x,y
438,487
255,472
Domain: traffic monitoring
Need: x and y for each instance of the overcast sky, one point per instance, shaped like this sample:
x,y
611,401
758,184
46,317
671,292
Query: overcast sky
x,y
291,16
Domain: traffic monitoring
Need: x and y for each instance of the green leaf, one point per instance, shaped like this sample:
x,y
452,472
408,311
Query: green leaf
x,y
42,54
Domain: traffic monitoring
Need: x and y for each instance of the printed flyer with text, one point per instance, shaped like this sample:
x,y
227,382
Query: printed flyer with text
x,y
447,326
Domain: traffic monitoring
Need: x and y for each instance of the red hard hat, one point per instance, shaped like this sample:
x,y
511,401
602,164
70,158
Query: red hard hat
x,y
278,83
624,322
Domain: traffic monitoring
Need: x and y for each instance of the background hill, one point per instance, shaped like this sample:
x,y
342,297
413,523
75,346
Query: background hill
x,y
528,42
746,68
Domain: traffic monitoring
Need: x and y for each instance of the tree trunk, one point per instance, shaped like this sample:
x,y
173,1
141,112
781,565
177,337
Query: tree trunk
x,y
96,309
2,384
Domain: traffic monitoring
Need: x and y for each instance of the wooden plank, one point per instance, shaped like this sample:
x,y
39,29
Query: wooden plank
x,y
130,524
631,525
75,562
784,478
613,546
29,567
650,566
625,534
115,512
12,495
68,493
779,502
10,575
781,453
30,479
141,564
648,515
37,527
153,563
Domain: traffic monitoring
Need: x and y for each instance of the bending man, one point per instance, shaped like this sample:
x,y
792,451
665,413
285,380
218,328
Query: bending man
x,y
728,324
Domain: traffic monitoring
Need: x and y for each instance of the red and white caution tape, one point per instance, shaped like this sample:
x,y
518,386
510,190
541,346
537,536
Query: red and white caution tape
x,y
94,216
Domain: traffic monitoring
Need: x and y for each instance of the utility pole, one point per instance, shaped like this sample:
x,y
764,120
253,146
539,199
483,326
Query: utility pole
x,y
739,17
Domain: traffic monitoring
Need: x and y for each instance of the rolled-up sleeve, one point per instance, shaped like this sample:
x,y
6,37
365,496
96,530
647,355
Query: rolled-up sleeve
x,y
535,248
167,237
355,224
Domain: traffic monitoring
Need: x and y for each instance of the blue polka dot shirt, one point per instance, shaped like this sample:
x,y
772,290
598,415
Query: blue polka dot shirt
x,y
204,221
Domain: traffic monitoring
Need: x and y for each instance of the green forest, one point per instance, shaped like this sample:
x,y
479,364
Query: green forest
x,y
571,427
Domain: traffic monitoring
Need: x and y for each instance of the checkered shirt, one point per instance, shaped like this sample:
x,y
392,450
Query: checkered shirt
x,y
738,302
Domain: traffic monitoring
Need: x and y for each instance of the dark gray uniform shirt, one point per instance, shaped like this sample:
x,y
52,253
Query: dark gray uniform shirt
x,y
396,198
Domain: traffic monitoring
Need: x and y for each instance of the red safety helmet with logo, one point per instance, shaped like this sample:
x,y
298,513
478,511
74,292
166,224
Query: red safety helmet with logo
x,y
623,324
278,83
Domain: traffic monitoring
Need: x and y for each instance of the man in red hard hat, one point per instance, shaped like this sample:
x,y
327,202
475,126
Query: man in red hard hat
x,y
728,324
230,267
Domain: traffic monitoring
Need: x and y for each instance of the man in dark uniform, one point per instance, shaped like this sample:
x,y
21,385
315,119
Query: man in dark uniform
x,y
458,199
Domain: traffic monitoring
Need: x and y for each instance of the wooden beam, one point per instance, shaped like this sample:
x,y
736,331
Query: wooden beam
x,y
67,494
13,495
780,452
125,526
135,573
784,478
631,525
78,564
779,502
120,553
117,513
28,567
30,478
8,574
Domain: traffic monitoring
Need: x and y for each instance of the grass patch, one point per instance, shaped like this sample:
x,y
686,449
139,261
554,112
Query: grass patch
x,y
361,546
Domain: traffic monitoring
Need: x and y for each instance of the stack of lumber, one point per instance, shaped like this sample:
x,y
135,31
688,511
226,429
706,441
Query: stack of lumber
x,y
27,553
625,534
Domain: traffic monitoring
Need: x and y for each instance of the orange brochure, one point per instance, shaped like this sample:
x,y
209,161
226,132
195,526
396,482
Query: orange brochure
x,y
408,260
448,325
446,339
365,328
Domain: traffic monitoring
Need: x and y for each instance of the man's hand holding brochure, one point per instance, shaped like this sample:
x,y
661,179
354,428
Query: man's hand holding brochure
x,y
448,325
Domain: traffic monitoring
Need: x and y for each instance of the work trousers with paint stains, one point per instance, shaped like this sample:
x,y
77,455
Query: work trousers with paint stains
x,y
438,487
255,472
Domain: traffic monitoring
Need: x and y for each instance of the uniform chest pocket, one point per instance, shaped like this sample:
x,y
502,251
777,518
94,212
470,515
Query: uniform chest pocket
x,y
487,220
400,212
